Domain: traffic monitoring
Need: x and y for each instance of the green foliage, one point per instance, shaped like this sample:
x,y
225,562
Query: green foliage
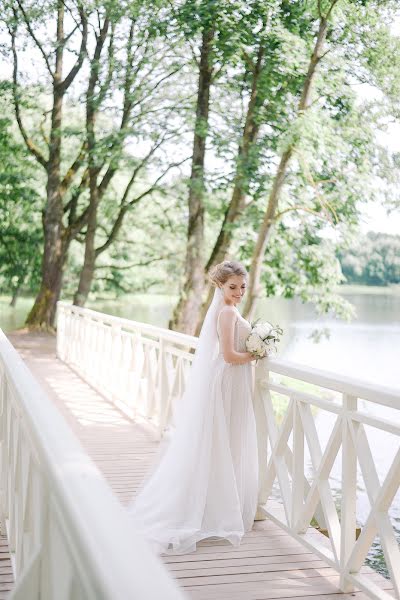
x,y
20,205
299,263
373,259
335,167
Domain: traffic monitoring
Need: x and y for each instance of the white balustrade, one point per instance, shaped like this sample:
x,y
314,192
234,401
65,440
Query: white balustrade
x,y
69,537
307,493
140,368
143,369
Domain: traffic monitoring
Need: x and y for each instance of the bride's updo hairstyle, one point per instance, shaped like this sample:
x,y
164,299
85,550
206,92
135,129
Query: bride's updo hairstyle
x,y
220,273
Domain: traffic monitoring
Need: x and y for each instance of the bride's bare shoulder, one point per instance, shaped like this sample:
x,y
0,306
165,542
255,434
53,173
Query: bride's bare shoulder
x,y
227,313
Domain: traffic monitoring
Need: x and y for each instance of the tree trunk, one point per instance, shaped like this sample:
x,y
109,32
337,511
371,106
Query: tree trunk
x,y
43,312
237,204
15,293
57,238
56,242
264,235
186,311
266,228
87,272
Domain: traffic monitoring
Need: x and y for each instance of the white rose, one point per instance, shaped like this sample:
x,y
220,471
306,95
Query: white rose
x,y
263,329
255,345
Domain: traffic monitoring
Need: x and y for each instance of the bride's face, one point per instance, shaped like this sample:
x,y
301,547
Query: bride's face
x,y
234,289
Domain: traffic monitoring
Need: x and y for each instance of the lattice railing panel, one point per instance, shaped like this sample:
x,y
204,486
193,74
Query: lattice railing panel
x,y
138,368
307,493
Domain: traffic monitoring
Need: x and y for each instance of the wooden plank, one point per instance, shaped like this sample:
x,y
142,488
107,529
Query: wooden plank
x,y
259,572
252,563
191,561
256,595
288,571
277,587
6,573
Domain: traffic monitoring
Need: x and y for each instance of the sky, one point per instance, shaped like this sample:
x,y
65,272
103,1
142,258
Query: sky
x,y
375,216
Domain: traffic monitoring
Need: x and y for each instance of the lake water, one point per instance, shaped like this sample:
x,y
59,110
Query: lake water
x,y
368,349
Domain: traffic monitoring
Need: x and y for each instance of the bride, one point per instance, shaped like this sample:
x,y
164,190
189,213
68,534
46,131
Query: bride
x,y
206,483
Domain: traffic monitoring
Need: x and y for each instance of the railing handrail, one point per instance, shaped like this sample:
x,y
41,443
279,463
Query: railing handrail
x,y
117,561
375,393
129,325
372,392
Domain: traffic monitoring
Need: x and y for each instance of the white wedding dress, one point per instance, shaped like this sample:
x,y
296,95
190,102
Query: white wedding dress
x,y
206,483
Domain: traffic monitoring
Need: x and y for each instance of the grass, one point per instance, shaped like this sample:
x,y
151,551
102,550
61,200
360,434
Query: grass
x,y
14,318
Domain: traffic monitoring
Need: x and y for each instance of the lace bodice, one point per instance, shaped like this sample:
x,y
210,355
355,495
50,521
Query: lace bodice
x,y
242,330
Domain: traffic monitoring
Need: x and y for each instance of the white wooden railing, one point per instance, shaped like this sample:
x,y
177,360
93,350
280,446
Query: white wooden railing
x,y
139,367
346,400
69,538
143,369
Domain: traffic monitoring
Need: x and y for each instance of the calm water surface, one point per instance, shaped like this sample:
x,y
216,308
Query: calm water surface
x,y
368,349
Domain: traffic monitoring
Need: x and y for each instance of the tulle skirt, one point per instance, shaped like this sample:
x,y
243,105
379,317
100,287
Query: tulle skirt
x,y
206,482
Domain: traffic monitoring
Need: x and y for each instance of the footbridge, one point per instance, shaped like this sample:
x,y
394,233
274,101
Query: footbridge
x,y
82,415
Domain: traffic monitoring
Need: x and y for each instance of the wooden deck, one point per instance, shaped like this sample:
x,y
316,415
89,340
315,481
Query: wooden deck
x,y
268,564
6,574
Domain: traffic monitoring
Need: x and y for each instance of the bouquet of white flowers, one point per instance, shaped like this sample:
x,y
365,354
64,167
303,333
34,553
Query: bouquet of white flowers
x,y
263,339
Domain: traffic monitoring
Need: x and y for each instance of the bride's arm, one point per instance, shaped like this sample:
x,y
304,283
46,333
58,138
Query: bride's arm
x,y
227,320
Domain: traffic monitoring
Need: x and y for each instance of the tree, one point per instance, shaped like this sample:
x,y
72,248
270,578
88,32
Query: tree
x,y
278,181
47,150
252,86
373,259
245,39
134,64
325,11
20,227
268,77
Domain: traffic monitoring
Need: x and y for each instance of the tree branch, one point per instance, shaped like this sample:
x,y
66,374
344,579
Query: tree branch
x,y
133,265
111,170
33,149
42,131
297,207
71,33
70,174
81,56
124,205
154,185
332,6
35,39
105,86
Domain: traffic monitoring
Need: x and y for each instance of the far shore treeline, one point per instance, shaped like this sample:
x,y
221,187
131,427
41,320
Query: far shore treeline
x,y
142,142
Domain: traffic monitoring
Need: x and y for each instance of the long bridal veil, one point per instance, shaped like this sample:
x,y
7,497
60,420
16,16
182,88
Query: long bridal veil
x,y
179,503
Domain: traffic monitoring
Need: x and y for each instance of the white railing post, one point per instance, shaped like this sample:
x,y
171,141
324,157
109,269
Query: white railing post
x,y
349,492
61,329
298,467
261,378
162,389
